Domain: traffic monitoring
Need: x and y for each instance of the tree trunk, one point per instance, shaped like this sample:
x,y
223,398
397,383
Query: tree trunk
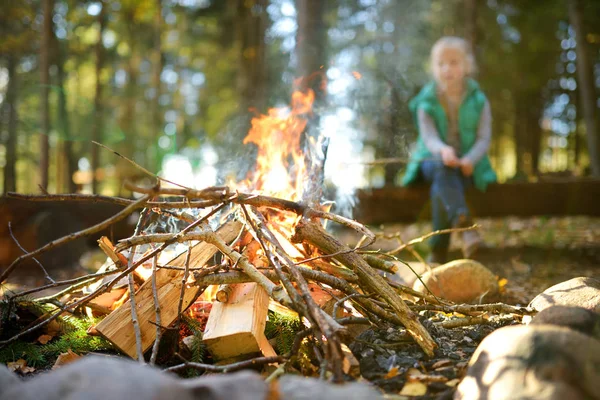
x,y
157,117
585,77
251,25
310,46
66,159
44,100
10,176
520,131
97,126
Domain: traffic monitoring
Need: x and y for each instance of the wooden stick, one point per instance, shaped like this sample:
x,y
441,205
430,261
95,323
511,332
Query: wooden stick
x,y
312,233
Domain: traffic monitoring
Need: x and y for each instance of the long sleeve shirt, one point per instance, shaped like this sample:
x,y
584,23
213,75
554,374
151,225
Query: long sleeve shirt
x,y
434,143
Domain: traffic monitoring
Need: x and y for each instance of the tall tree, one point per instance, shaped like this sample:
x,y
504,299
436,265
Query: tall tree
x,y
157,65
311,45
66,162
98,124
585,77
45,90
251,25
10,177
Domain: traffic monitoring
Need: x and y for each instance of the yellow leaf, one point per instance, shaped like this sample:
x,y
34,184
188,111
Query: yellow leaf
x,y
502,285
414,389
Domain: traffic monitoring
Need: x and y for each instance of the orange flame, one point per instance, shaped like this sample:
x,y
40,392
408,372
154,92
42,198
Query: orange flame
x,y
280,164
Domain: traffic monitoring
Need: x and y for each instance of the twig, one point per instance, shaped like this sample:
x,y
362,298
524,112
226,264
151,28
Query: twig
x,y
427,236
471,308
48,277
344,299
96,198
132,302
184,279
333,346
313,234
469,321
65,239
229,367
75,282
157,312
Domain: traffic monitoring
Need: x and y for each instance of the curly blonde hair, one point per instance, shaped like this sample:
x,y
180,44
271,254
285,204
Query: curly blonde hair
x,y
458,43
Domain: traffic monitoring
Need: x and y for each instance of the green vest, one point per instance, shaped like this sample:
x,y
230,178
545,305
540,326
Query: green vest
x,y
468,123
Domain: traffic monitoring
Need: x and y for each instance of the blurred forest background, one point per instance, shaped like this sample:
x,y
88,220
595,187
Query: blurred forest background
x,y
174,83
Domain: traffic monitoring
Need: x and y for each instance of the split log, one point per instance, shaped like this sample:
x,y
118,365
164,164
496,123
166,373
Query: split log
x,y
118,326
236,328
313,234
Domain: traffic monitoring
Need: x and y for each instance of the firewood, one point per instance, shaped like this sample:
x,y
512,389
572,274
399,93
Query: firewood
x,y
118,326
236,328
315,235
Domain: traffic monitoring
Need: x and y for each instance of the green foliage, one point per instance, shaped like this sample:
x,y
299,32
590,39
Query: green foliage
x,y
197,347
73,337
283,329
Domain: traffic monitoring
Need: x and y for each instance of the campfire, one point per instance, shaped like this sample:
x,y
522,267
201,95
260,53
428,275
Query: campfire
x,y
248,245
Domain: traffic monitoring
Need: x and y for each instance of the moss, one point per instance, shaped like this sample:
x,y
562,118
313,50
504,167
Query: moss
x,y
74,336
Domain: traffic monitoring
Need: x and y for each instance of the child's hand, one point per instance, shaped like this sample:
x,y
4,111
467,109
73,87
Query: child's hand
x,y
466,166
449,157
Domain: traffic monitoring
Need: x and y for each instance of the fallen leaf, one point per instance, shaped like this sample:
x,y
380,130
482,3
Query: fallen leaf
x,y
43,339
502,285
391,373
20,366
16,365
65,358
413,389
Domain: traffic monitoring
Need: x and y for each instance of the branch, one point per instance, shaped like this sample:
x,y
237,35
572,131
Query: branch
x,y
65,239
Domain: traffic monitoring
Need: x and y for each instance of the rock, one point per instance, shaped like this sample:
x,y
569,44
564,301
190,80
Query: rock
x,y
7,378
293,387
459,281
99,378
405,275
580,319
578,292
533,362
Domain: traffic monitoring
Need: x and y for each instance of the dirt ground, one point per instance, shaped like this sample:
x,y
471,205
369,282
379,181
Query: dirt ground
x,y
531,254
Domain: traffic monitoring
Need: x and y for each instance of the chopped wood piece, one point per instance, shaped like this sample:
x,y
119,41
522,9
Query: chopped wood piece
x,y
236,328
118,326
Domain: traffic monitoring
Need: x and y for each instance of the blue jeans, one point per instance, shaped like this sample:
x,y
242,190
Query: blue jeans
x,y
447,193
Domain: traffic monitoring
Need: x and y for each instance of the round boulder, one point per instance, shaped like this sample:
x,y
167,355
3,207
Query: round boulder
x,y
459,281
533,362
580,319
577,292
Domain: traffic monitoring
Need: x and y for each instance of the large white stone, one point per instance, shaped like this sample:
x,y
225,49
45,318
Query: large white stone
x,y
577,292
533,362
